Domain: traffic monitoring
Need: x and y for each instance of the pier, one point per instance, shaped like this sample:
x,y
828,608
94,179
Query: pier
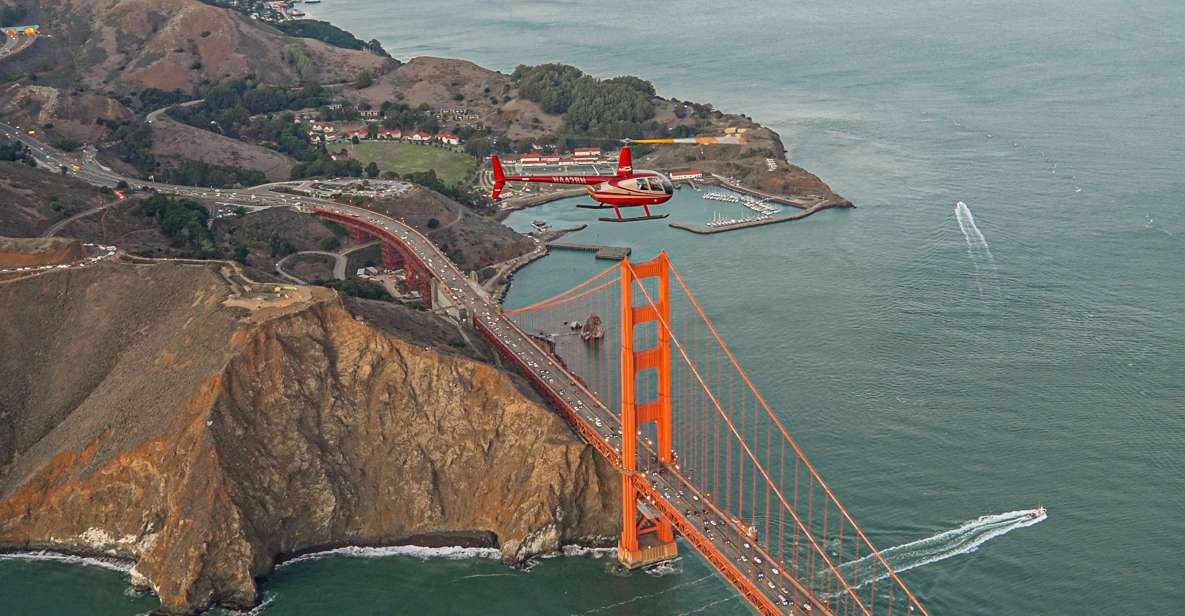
x,y
608,253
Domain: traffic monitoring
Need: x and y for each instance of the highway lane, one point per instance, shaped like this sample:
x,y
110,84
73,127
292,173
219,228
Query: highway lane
x,y
698,515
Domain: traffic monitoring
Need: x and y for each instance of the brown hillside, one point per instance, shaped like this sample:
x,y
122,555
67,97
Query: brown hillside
x,y
72,114
438,81
170,44
173,142
34,199
151,421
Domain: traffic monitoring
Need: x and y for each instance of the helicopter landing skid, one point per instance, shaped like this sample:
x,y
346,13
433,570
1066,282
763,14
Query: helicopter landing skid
x,y
598,206
634,218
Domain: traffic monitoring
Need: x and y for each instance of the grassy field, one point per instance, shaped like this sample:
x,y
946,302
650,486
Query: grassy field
x,y
451,167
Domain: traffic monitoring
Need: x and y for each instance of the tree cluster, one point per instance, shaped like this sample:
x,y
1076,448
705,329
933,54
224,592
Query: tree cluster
x,y
183,221
588,104
327,167
328,33
201,173
229,105
281,133
297,56
15,151
357,287
133,144
400,115
155,98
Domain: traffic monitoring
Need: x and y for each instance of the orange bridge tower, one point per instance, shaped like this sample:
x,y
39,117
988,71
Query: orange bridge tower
x,y
646,537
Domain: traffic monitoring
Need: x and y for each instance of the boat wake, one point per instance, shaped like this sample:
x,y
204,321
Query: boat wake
x,y
977,245
965,539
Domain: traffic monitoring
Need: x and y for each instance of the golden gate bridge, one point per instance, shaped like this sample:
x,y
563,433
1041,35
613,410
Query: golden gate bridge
x,y
654,388
701,452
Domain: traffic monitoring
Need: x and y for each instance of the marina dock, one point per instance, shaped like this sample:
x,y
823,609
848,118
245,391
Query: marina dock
x,y
802,203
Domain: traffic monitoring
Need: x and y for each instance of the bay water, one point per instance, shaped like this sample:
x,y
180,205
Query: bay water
x,y
998,325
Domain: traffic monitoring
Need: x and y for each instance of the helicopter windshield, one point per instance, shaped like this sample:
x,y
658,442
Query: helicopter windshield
x,y
666,185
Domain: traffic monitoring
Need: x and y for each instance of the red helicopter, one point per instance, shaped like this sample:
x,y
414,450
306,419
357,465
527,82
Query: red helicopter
x,y
627,188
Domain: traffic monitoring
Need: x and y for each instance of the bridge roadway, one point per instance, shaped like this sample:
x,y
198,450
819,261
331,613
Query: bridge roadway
x,y
721,540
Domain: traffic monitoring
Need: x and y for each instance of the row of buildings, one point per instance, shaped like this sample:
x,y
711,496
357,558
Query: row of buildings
x,y
583,157
579,156
331,132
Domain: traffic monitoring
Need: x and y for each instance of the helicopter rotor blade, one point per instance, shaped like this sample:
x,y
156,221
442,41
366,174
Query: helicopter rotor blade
x,y
730,139
724,140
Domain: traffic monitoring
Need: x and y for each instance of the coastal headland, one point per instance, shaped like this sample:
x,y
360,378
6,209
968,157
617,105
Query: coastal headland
x,y
191,416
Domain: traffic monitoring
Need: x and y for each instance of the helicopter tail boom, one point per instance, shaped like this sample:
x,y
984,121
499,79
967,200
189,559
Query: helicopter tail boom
x,y
499,177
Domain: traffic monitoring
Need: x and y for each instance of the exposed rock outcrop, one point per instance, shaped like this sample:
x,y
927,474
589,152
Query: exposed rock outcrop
x,y
25,252
145,418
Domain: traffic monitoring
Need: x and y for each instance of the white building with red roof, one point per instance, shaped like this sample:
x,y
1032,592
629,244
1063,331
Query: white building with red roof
x,y
448,139
350,133
687,174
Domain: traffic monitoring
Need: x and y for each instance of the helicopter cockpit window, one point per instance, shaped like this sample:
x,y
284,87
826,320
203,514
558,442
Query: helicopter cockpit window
x,y
667,187
643,184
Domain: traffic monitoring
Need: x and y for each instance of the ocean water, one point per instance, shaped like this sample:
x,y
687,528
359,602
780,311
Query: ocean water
x,y
945,366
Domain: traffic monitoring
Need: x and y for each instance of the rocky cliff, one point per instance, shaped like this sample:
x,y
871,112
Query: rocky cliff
x,y
152,416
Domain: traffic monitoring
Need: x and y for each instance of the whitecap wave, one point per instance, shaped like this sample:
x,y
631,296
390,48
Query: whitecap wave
x,y
413,551
579,550
268,598
111,564
665,568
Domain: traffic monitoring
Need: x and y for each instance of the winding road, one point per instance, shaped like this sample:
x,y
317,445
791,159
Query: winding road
x,y
61,224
